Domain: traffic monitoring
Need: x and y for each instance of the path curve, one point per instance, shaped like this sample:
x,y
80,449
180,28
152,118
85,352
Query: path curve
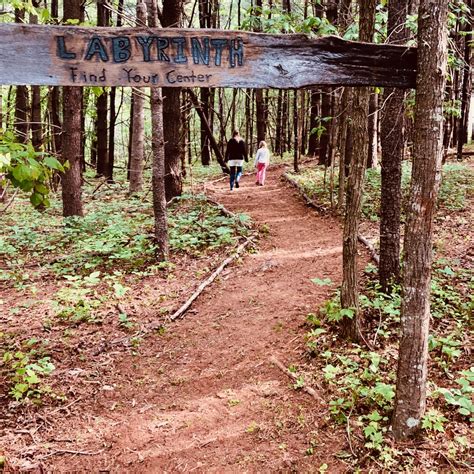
x,y
219,405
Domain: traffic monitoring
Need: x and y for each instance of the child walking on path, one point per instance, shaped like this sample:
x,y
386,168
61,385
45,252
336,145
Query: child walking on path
x,y
262,160
235,155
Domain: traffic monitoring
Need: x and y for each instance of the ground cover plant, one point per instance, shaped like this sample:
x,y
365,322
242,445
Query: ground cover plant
x,y
456,187
67,279
359,379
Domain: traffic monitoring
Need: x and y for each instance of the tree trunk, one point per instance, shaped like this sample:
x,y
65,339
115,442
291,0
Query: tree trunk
x,y
410,399
324,138
112,114
21,99
72,133
205,22
295,131
102,102
344,124
278,124
372,128
393,143
466,85
315,97
350,283
158,165
138,135
36,121
171,18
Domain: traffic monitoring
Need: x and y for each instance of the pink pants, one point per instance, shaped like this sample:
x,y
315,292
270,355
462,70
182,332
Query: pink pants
x,y
261,173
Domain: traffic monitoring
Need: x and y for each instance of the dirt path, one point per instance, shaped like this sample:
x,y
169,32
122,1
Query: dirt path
x,y
204,396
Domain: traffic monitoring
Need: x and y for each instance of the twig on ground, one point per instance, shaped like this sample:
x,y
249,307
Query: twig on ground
x,y
67,406
207,282
9,202
293,376
104,181
226,211
370,247
71,451
348,430
378,328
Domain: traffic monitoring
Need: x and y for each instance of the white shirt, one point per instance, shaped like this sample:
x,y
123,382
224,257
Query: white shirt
x,y
263,156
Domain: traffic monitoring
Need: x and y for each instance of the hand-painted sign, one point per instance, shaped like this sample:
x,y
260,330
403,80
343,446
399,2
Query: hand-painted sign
x,y
143,57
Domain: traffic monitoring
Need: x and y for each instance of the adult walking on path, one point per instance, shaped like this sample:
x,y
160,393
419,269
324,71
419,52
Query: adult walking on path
x,y
235,155
262,160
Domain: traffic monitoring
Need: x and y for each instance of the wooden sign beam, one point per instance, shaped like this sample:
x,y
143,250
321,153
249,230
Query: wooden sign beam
x,y
143,57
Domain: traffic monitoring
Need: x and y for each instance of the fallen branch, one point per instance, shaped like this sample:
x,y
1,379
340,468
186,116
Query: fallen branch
x,y
10,202
308,200
293,376
370,247
71,451
207,282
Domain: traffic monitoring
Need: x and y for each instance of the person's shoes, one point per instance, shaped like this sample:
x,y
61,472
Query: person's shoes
x,y
257,183
237,184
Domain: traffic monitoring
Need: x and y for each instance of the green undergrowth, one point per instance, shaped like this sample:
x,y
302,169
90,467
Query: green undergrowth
x,y
457,186
359,380
63,273
116,233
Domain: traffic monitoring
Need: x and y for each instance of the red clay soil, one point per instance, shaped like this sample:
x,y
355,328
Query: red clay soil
x,y
205,397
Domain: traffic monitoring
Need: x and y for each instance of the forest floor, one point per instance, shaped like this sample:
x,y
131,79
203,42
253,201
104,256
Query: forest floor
x,y
204,393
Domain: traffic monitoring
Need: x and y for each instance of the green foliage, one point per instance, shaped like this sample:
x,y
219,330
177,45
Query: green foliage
x,y
25,371
27,169
115,235
360,383
461,397
276,20
322,282
434,420
457,186
202,228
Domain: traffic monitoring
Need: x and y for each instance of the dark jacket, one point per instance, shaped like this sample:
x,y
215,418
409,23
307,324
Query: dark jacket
x,y
236,150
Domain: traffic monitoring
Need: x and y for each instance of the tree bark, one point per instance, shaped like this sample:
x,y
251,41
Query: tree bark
x,y
295,131
158,165
138,135
71,147
101,104
36,121
324,138
171,17
21,99
393,143
410,399
466,85
372,128
315,97
350,283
